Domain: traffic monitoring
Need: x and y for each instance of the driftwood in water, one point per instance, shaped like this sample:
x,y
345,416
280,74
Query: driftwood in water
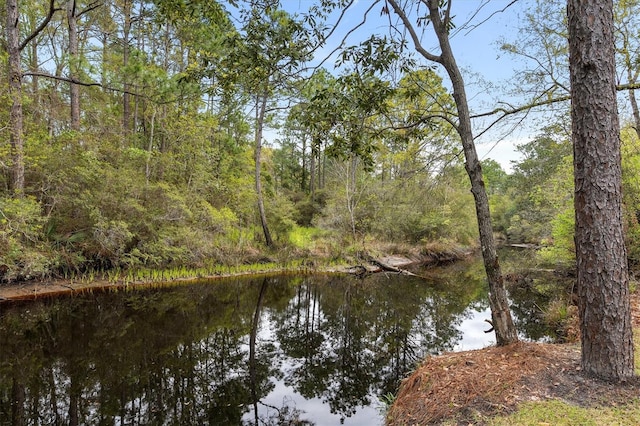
x,y
389,268
372,265
395,264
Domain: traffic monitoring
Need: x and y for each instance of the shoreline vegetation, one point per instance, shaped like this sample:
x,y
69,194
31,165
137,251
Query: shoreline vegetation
x,y
521,384
361,263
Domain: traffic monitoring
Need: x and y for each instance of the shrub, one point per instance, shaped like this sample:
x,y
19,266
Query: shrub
x,y
24,253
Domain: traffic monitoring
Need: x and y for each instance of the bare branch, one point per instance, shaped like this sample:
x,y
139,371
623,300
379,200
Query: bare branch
x,y
94,84
515,110
43,24
351,31
96,4
536,103
473,27
412,32
66,79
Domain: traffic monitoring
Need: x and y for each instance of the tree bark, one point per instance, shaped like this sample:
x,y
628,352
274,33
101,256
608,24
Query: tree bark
x,y
315,143
74,89
15,94
38,111
16,121
261,107
126,98
602,278
632,77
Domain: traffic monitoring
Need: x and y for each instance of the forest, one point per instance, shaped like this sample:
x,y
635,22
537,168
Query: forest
x,y
171,133
147,140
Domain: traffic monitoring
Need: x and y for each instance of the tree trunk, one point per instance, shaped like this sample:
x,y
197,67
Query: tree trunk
x,y
74,89
603,280
38,110
350,190
261,107
15,94
503,325
632,76
303,178
126,98
312,168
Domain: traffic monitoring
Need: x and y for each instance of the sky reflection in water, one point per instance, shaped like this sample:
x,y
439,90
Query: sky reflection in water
x,y
318,348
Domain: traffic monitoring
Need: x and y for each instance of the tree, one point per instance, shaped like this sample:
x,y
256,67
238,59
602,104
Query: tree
x,y
15,91
440,18
603,280
16,120
265,61
73,16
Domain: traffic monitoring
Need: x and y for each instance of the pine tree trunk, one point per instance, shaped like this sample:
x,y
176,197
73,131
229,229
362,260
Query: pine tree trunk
x,y
74,89
312,168
15,93
603,281
261,106
126,97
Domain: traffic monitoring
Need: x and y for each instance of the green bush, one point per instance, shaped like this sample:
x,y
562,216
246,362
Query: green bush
x,y
24,253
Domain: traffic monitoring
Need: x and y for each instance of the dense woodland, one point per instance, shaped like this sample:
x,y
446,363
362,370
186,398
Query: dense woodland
x,y
165,133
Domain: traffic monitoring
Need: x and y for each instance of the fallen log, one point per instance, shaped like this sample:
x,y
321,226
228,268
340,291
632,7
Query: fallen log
x,y
386,267
390,268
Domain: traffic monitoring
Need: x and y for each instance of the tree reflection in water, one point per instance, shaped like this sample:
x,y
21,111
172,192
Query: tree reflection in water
x,y
275,350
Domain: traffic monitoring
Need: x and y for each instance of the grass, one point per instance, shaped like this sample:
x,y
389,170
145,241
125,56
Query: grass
x,y
304,237
559,413
126,277
168,274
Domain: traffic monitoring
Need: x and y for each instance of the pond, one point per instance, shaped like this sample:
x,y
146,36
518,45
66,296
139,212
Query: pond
x,y
312,349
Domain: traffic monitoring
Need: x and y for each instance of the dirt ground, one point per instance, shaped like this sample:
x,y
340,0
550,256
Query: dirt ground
x,y
466,386
34,289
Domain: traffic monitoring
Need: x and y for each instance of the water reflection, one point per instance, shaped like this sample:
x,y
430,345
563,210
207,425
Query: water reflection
x,y
275,350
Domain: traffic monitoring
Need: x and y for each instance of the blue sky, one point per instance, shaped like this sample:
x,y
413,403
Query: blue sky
x,y
481,25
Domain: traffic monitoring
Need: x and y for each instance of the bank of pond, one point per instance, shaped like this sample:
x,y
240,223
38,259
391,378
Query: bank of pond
x,y
271,349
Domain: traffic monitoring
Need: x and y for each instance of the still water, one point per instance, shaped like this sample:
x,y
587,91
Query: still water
x,y
323,350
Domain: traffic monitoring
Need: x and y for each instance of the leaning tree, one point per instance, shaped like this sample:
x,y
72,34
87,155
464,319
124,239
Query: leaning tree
x,y
440,18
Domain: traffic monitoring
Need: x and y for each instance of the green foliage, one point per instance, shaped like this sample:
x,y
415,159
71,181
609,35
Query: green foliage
x,y
280,214
542,188
366,155
550,199
303,237
562,251
416,210
23,254
495,178
307,209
